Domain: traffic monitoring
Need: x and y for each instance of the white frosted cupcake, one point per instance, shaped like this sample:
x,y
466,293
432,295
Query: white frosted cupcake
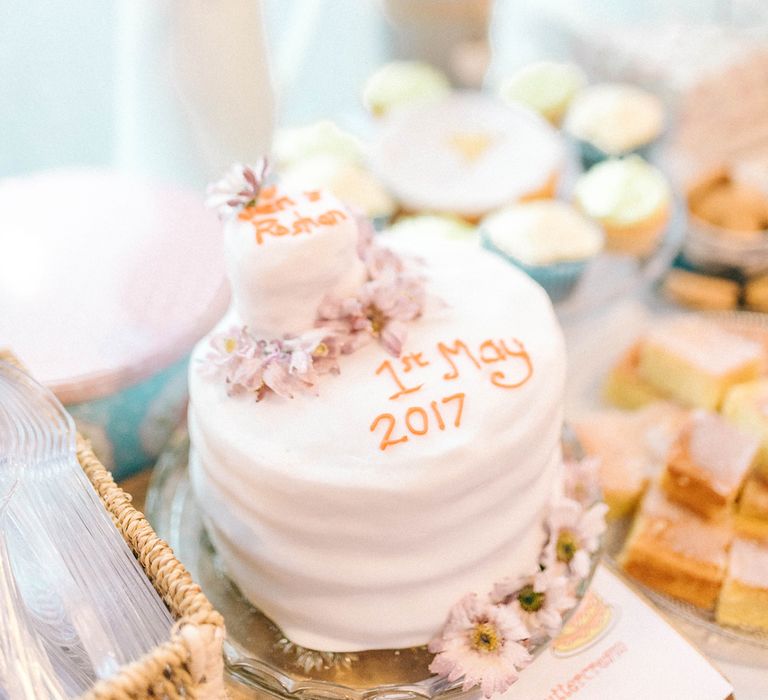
x,y
614,119
403,83
630,198
549,239
546,87
351,182
324,138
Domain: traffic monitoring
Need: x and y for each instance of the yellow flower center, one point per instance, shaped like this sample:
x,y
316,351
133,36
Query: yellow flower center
x,y
530,600
485,638
321,350
566,546
377,318
230,344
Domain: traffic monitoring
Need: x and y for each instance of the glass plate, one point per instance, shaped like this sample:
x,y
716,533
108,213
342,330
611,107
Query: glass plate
x,y
734,644
611,276
259,660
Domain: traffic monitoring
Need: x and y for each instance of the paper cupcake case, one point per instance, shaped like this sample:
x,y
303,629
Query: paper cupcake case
x,y
558,279
190,663
592,155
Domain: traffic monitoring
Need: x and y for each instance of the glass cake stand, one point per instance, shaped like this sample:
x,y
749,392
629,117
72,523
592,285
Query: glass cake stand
x,y
734,644
260,661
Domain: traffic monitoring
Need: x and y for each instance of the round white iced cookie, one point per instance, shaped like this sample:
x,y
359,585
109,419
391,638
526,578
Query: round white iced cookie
x,y
467,154
285,254
356,519
615,117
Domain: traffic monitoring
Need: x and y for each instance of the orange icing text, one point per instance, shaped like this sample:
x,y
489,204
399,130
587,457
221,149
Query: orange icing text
x,y
456,357
417,420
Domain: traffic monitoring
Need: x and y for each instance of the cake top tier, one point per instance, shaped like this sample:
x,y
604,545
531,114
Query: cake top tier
x,y
285,250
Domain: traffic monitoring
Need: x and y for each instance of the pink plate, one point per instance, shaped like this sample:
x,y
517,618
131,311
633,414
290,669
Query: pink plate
x,y
104,279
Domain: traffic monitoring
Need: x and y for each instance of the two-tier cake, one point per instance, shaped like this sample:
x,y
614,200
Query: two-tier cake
x,y
375,432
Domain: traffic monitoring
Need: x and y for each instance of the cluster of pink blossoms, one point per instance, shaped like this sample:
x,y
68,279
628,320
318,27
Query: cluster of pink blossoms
x,y
488,639
284,367
391,297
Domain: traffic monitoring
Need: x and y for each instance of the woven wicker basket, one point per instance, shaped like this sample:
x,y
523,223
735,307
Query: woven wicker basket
x,y
190,663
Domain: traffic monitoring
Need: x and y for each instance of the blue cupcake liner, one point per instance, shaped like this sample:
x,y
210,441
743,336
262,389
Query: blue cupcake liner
x,y
381,221
558,279
592,155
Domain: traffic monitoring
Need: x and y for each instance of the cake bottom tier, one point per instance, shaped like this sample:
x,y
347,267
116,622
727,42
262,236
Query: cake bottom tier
x,y
375,588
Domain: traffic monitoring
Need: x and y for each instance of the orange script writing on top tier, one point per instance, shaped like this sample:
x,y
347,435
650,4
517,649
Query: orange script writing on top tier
x,y
511,368
280,215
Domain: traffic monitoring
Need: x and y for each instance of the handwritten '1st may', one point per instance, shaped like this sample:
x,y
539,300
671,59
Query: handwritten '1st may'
x,y
448,411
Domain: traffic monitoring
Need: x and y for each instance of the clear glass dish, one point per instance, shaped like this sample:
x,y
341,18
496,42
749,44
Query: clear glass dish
x,y
734,644
718,250
259,660
603,348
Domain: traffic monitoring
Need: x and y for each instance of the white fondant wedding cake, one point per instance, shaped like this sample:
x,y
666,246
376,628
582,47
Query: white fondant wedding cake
x,y
375,424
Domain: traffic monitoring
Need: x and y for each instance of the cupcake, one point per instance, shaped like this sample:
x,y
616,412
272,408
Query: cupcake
x,y
351,182
546,87
435,227
467,154
324,138
613,119
630,198
401,84
548,239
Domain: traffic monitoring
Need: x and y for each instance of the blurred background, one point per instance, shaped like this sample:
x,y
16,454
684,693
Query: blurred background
x,y
148,84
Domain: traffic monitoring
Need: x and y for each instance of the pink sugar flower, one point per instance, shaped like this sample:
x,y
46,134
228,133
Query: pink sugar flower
x,y
574,536
285,367
382,307
228,349
539,600
239,188
481,643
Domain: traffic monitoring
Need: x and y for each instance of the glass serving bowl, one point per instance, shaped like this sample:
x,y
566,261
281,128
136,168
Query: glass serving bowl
x,y
259,660
719,250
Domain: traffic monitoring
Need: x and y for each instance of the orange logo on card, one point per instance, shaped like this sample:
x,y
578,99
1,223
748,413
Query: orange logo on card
x,y
589,624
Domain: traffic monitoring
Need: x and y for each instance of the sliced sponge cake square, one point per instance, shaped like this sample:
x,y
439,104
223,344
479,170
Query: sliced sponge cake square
x,y
697,362
746,405
744,599
674,551
708,464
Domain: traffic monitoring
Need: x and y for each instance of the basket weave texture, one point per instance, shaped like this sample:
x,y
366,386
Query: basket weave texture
x,y
190,664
